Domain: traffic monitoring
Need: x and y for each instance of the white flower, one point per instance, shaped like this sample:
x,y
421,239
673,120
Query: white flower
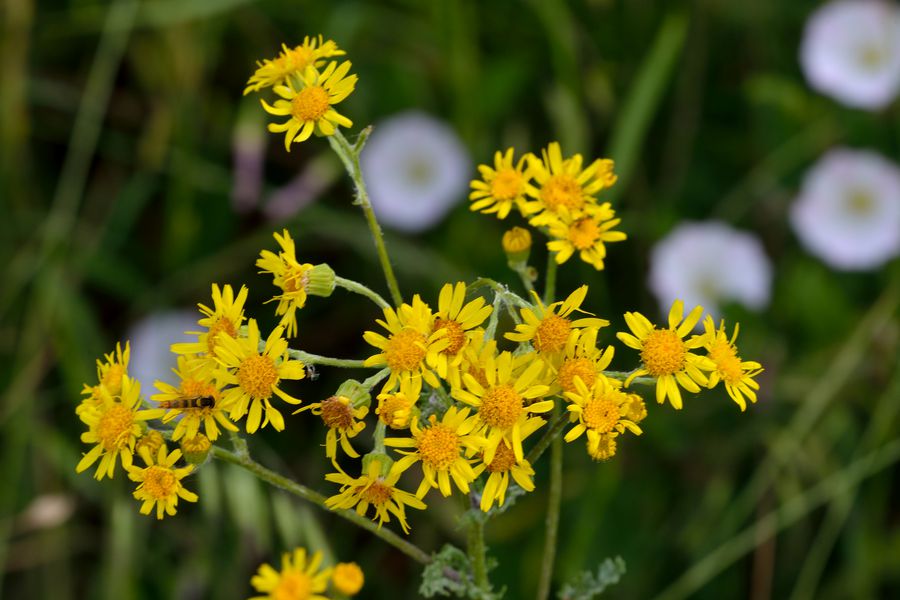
x,y
416,169
848,212
710,263
151,359
851,52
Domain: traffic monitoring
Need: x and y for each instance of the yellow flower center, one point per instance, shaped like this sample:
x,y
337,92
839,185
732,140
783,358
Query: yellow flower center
x,y
293,585
478,373
152,441
504,459
606,448
584,233
455,335
347,578
220,324
257,376
114,427
663,352
405,350
600,414
295,278
336,413
506,184
551,334
297,59
572,367
112,380
501,407
194,388
394,411
860,202
562,191
727,362
310,103
160,482
635,409
377,494
439,447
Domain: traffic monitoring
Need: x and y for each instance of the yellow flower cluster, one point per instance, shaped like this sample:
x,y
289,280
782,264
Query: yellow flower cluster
x,y
302,578
557,195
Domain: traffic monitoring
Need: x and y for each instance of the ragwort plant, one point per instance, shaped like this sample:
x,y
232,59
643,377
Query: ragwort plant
x,y
451,409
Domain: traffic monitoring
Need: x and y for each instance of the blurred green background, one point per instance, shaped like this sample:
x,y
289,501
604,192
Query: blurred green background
x,y
119,122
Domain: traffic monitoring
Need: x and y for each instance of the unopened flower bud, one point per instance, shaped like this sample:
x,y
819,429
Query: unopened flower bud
x,y
517,245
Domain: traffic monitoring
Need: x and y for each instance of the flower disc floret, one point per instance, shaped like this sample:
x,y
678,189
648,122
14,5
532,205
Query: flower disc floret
x,y
159,483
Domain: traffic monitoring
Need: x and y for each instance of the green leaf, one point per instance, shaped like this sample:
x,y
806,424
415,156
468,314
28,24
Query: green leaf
x,y
589,585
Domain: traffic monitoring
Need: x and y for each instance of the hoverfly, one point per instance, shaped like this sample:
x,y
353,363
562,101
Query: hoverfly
x,y
196,402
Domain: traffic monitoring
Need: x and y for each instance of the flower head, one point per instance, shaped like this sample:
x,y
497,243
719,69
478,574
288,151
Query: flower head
x,y
308,101
504,186
581,359
256,376
114,426
297,580
459,322
344,421
503,465
666,355
225,317
548,327
396,408
292,61
374,488
109,378
736,374
563,189
159,483
587,235
197,400
600,410
347,578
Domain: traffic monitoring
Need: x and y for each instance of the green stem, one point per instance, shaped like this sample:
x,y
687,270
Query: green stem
x,y
349,155
301,491
524,274
358,288
550,278
372,381
477,553
623,375
557,424
552,522
315,359
380,429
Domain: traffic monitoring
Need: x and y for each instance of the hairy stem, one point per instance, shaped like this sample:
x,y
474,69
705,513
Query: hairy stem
x,y
314,359
552,520
358,288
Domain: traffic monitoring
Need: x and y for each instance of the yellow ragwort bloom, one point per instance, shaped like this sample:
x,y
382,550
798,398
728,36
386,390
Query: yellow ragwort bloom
x,y
109,377
412,338
503,465
736,374
507,403
601,411
309,101
563,189
295,280
114,427
587,235
396,408
374,488
666,355
343,422
502,186
297,580
440,446
347,578
226,316
291,61
256,376
159,483
581,358
547,328
460,324
197,401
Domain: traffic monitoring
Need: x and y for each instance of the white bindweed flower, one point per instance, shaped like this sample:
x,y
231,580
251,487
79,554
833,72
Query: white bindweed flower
x,y
416,169
848,211
851,52
151,358
709,263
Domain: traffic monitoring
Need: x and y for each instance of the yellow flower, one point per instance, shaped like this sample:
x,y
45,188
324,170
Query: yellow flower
x,y
412,338
114,426
635,409
256,376
665,355
503,464
600,411
581,358
309,104
605,448
295,280
347,578
459,323
548,327
503,186
159,484
110,373
396,408
516,244
197,401
297,580
226,316
588,235
506,403
149,442
312,52
343,421
376,489
440,445
736,374
563,189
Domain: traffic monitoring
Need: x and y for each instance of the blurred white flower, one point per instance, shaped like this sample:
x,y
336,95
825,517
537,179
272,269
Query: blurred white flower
x,y
416,169
151,337
707,264
851,52
848,211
